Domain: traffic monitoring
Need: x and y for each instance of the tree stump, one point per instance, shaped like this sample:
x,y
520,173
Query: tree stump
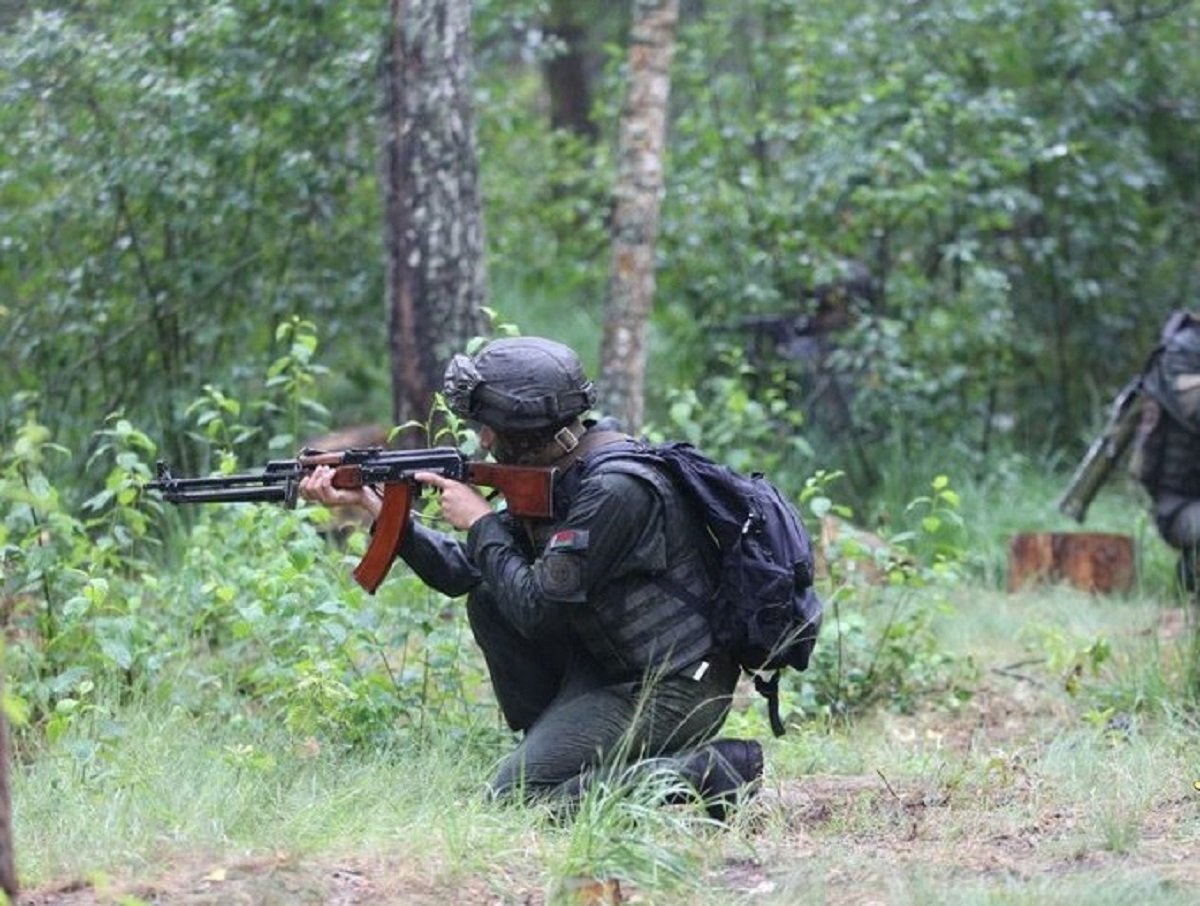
x,y
1092,561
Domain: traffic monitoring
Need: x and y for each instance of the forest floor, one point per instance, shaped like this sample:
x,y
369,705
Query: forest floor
x,y
1010,798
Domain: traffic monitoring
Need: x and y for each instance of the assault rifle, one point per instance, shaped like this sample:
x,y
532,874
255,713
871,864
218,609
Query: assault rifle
x,y
528,490
1105,451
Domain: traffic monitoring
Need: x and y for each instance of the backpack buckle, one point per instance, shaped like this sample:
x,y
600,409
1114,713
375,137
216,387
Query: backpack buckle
x,y
566,439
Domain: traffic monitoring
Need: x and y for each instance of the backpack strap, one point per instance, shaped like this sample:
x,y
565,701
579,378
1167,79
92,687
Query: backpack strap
x,y
769,689
590,442
569,466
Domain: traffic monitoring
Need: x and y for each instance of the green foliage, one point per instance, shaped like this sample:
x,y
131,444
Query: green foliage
x,y
1000,169
741,418
252,614
1067,658
878,644
285,628
180,180
119,526
288,401
547,192
73,586
1018,179
293,379
214,414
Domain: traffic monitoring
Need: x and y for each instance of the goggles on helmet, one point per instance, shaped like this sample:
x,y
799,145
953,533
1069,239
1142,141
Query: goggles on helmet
x,y
461,379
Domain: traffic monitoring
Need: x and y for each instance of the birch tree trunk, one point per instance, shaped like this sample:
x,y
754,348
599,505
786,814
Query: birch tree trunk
x,y
566,72
638,195
433,224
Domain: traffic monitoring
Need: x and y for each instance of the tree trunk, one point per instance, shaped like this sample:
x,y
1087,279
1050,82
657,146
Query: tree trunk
x,y
1091,561
567,79
433,225
635,216
8,874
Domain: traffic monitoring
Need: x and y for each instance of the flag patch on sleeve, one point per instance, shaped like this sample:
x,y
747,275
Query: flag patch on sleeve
x,y
568,540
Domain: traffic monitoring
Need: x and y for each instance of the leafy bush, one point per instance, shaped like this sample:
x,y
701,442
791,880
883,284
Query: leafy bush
x,y
878,645
1007,186
73,587
238,609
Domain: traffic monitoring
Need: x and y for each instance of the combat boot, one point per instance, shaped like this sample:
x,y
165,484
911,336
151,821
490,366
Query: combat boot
x,y
725,772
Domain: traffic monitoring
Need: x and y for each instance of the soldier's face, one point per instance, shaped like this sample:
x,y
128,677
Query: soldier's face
x,y
493,443
487,438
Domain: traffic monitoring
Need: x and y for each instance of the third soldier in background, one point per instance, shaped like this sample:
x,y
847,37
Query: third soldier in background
x,y
1166,451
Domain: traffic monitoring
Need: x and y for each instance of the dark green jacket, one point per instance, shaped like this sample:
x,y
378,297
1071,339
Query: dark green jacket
x,y
610,574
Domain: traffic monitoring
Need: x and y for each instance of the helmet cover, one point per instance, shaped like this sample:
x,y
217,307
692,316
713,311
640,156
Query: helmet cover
x,y
519,384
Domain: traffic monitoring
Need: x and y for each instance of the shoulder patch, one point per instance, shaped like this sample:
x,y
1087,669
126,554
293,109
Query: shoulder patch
x,y
568,540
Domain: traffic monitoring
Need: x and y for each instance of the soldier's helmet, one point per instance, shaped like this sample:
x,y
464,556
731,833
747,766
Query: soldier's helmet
x,y
519,384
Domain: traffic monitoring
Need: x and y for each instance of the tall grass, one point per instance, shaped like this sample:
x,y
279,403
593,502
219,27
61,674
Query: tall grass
x,y
142,788
168,785
1012,494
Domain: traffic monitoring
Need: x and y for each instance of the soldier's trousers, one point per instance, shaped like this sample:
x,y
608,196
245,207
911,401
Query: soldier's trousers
x,y
1178,521
574,718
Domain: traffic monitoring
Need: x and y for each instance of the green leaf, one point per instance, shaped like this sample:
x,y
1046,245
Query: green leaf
x,y
117,651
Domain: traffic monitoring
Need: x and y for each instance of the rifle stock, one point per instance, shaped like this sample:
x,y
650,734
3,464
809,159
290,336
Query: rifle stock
x,y
528,491
1104,452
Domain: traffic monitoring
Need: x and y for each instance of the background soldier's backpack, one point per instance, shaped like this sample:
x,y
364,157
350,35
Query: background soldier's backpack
x,y
764,610
1170,390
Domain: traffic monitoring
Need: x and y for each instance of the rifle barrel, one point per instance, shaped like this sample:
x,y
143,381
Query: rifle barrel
x,y
179,491
168,485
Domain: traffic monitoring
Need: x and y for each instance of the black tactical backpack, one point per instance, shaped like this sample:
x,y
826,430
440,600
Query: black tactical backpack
x,y
764,610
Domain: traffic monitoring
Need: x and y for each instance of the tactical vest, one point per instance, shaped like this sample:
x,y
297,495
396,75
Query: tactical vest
x,y
634,625
1168,457
1179,470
